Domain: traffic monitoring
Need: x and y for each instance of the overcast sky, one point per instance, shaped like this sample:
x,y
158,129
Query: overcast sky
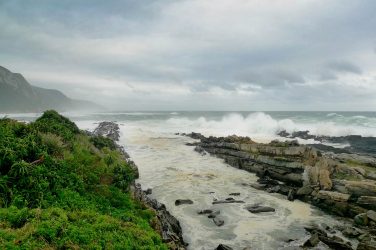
x,y
197,54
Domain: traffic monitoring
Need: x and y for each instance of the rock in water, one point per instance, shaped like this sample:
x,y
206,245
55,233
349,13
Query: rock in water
x,y
181,202
219,222
205,211
214,214
223,247
312,241
109,130
259,209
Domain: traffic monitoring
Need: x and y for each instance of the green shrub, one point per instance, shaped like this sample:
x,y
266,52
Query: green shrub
x,y
62,189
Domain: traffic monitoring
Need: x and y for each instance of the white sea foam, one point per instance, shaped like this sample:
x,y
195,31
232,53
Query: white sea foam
x,y
262,125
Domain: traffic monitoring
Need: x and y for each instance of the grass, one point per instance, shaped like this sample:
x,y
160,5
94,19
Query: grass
x,y
61,189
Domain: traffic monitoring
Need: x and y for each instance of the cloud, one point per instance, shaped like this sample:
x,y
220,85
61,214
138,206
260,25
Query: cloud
x,y
343,66
235,55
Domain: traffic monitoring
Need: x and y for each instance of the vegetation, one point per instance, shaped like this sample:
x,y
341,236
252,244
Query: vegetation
x,y
60,189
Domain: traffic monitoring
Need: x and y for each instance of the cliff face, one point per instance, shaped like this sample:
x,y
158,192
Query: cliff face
x,y
17,95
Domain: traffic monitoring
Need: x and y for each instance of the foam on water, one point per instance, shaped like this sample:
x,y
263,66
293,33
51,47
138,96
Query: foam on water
x,y
174,171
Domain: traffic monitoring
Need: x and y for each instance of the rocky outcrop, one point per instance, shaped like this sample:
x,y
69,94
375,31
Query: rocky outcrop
x,y
343,184
166,224
357,144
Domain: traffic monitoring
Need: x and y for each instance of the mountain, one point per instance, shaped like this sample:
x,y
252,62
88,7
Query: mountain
x,y
17,95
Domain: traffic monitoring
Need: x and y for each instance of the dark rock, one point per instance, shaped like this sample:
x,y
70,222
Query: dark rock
x,y
200,150
371,215
312,241
214,214
148,191
291,195
205,211
223,247
351,232
182,202
108,129
259,209
361,219
230,199
234,194
283,133
219,222
168,226
226,201
305,190
197,136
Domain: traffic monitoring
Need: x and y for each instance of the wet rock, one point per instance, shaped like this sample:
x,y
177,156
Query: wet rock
x,y
223,247
167,225
259,209
371,215
108,129
312,241
258,186
214,214
351,232
226,201
305,190
148,191
182,202
205,211
283,133
367,201
369,245
291,195
334,196
200,150
361,188
361,219
218,221
234,194
197,136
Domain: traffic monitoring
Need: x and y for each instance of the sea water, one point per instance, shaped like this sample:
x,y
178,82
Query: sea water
x,y
175,171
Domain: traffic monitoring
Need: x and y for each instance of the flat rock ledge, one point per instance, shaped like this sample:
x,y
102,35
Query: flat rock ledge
x,y
339,183
167,225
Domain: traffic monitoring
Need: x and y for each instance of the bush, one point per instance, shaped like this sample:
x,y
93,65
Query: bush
x,y
62,189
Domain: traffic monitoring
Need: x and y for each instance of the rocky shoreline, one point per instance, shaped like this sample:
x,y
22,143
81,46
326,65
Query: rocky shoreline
x,y
166,224
339,183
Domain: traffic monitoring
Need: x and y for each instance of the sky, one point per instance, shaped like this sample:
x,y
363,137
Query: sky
x,y
197,54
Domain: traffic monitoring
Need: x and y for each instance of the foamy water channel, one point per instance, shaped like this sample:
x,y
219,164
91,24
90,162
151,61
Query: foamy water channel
x,y
175,171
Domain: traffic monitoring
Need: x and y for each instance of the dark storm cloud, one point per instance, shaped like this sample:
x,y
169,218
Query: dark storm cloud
x,y
185,51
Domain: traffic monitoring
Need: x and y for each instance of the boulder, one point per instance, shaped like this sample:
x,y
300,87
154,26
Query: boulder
x,y
218,221
182,202
259,209
214,214
371,215
312,241
305,190
361,219
334,196
223,247
361,188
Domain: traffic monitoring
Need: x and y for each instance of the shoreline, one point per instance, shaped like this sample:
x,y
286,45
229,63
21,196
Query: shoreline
x,y
336,183
166,225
